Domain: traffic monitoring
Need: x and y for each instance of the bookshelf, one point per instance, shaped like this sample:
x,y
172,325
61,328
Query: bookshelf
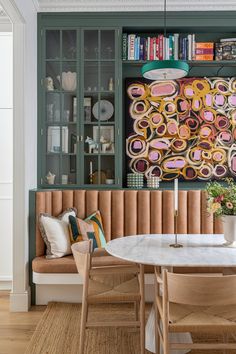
x,y
74,36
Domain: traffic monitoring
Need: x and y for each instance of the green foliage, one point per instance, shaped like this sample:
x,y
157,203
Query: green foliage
x,y
222,199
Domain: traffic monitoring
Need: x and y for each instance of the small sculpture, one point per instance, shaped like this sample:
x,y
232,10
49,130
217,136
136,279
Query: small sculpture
x,y
106,145
50,178
93,146
49,83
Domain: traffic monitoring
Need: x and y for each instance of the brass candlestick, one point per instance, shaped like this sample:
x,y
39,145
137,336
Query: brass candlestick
x,y
91,178
176,244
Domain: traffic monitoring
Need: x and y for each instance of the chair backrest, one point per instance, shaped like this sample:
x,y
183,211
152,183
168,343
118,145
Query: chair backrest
x,y
200,290
81,252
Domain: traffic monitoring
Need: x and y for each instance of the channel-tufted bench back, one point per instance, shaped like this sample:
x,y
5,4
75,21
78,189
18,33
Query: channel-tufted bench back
x,y
130,212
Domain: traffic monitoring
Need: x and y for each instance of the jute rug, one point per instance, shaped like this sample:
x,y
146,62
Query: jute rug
x,y
58,332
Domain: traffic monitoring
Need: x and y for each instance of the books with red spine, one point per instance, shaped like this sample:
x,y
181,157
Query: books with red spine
x,y
157,48
161,52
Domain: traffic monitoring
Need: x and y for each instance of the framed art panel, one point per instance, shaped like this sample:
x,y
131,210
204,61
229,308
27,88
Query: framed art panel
x,y
184,128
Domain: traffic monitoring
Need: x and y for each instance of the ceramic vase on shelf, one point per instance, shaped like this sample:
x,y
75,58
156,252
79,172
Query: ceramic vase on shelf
x,y
229,222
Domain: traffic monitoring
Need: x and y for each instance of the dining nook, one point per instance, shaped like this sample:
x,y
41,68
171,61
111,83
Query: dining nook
x,y
118,177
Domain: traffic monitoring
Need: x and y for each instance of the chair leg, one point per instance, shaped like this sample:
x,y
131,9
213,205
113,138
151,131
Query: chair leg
x,y
136,310
165,342
142,310
157,336
84,315
225,340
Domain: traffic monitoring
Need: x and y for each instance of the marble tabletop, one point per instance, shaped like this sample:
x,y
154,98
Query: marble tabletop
x,y
199,250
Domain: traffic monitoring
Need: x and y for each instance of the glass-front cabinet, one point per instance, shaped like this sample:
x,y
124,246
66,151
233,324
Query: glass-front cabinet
x,y
79,128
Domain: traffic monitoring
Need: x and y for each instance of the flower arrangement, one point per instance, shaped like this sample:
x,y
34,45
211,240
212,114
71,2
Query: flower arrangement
x,y
222,198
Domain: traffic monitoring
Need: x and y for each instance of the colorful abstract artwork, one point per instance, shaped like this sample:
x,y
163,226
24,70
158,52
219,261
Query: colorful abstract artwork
x,y
184,128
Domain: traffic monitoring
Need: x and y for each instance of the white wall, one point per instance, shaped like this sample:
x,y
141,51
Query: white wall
x,y
6,159
24,17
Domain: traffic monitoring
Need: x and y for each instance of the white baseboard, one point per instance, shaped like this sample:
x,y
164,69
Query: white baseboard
x,y
5,283
20,302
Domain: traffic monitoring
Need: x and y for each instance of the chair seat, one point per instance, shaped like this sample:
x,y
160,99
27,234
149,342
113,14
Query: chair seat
x,y
202,318
113,288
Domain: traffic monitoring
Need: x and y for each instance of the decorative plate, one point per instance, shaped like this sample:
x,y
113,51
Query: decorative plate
x,y
106,110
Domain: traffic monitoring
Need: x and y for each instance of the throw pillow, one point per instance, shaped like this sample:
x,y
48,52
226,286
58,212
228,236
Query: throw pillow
x,y
90,228
55,233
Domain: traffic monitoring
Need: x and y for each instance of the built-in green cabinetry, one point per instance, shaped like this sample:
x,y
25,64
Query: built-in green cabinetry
x,y
79,113
81,95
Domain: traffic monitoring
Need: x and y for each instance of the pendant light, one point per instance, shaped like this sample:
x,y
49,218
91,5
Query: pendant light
x,y
165,69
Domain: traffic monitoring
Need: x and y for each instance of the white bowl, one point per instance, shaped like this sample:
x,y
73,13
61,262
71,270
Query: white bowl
x,y
109,181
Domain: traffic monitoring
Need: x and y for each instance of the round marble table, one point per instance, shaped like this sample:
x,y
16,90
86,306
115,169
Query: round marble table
x,y
205,250
198,251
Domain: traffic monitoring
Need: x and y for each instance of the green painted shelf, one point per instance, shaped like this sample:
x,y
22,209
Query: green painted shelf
x,y
203,63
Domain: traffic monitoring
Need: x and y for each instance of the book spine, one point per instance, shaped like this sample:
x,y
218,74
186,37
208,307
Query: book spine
x,y
154,48
128,51
170,40
176,46
151,52
132,47
141,49
182,48
157,48
193,47
203,51
148,48
136,48
189,47
206,45
204,57
167,48
124,46
161,47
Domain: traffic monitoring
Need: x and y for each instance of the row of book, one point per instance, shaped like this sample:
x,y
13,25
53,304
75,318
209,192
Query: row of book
x,y
176,46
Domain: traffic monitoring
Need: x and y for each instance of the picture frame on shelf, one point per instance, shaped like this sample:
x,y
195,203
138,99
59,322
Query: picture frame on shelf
x,y
87,109
104,135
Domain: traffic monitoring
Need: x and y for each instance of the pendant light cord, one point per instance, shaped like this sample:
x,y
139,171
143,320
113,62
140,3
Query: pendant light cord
x,y
164,18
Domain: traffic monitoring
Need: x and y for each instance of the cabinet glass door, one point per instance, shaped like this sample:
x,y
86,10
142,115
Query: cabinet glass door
x,y
60,97
99,113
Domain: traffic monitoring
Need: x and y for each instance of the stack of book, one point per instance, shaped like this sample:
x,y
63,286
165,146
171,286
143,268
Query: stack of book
x,y
159,47
225,49
204,51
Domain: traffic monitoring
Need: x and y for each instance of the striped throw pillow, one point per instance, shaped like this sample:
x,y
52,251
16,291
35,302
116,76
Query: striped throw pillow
x,y
90,228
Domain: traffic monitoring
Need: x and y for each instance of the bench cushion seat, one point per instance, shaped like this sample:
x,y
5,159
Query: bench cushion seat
x,y
67,264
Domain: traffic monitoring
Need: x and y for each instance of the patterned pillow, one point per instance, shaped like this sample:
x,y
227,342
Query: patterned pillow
x,y
89,229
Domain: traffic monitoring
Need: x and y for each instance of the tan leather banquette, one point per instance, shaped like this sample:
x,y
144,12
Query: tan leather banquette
x,y
124,212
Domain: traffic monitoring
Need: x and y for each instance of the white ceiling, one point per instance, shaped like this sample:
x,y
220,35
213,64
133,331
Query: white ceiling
x,y
134,5
129,5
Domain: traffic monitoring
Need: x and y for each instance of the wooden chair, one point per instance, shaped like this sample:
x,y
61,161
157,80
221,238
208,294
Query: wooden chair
x,y
196,304
109,284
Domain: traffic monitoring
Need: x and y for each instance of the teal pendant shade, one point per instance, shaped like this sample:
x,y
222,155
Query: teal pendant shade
x,y
165,70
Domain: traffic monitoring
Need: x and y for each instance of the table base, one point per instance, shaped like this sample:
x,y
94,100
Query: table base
x,y
174,337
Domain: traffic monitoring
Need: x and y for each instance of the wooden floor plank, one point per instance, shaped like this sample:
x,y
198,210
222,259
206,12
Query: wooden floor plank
x,y
16,329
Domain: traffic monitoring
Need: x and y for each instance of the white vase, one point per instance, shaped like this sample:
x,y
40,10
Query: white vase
x,y
229,222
